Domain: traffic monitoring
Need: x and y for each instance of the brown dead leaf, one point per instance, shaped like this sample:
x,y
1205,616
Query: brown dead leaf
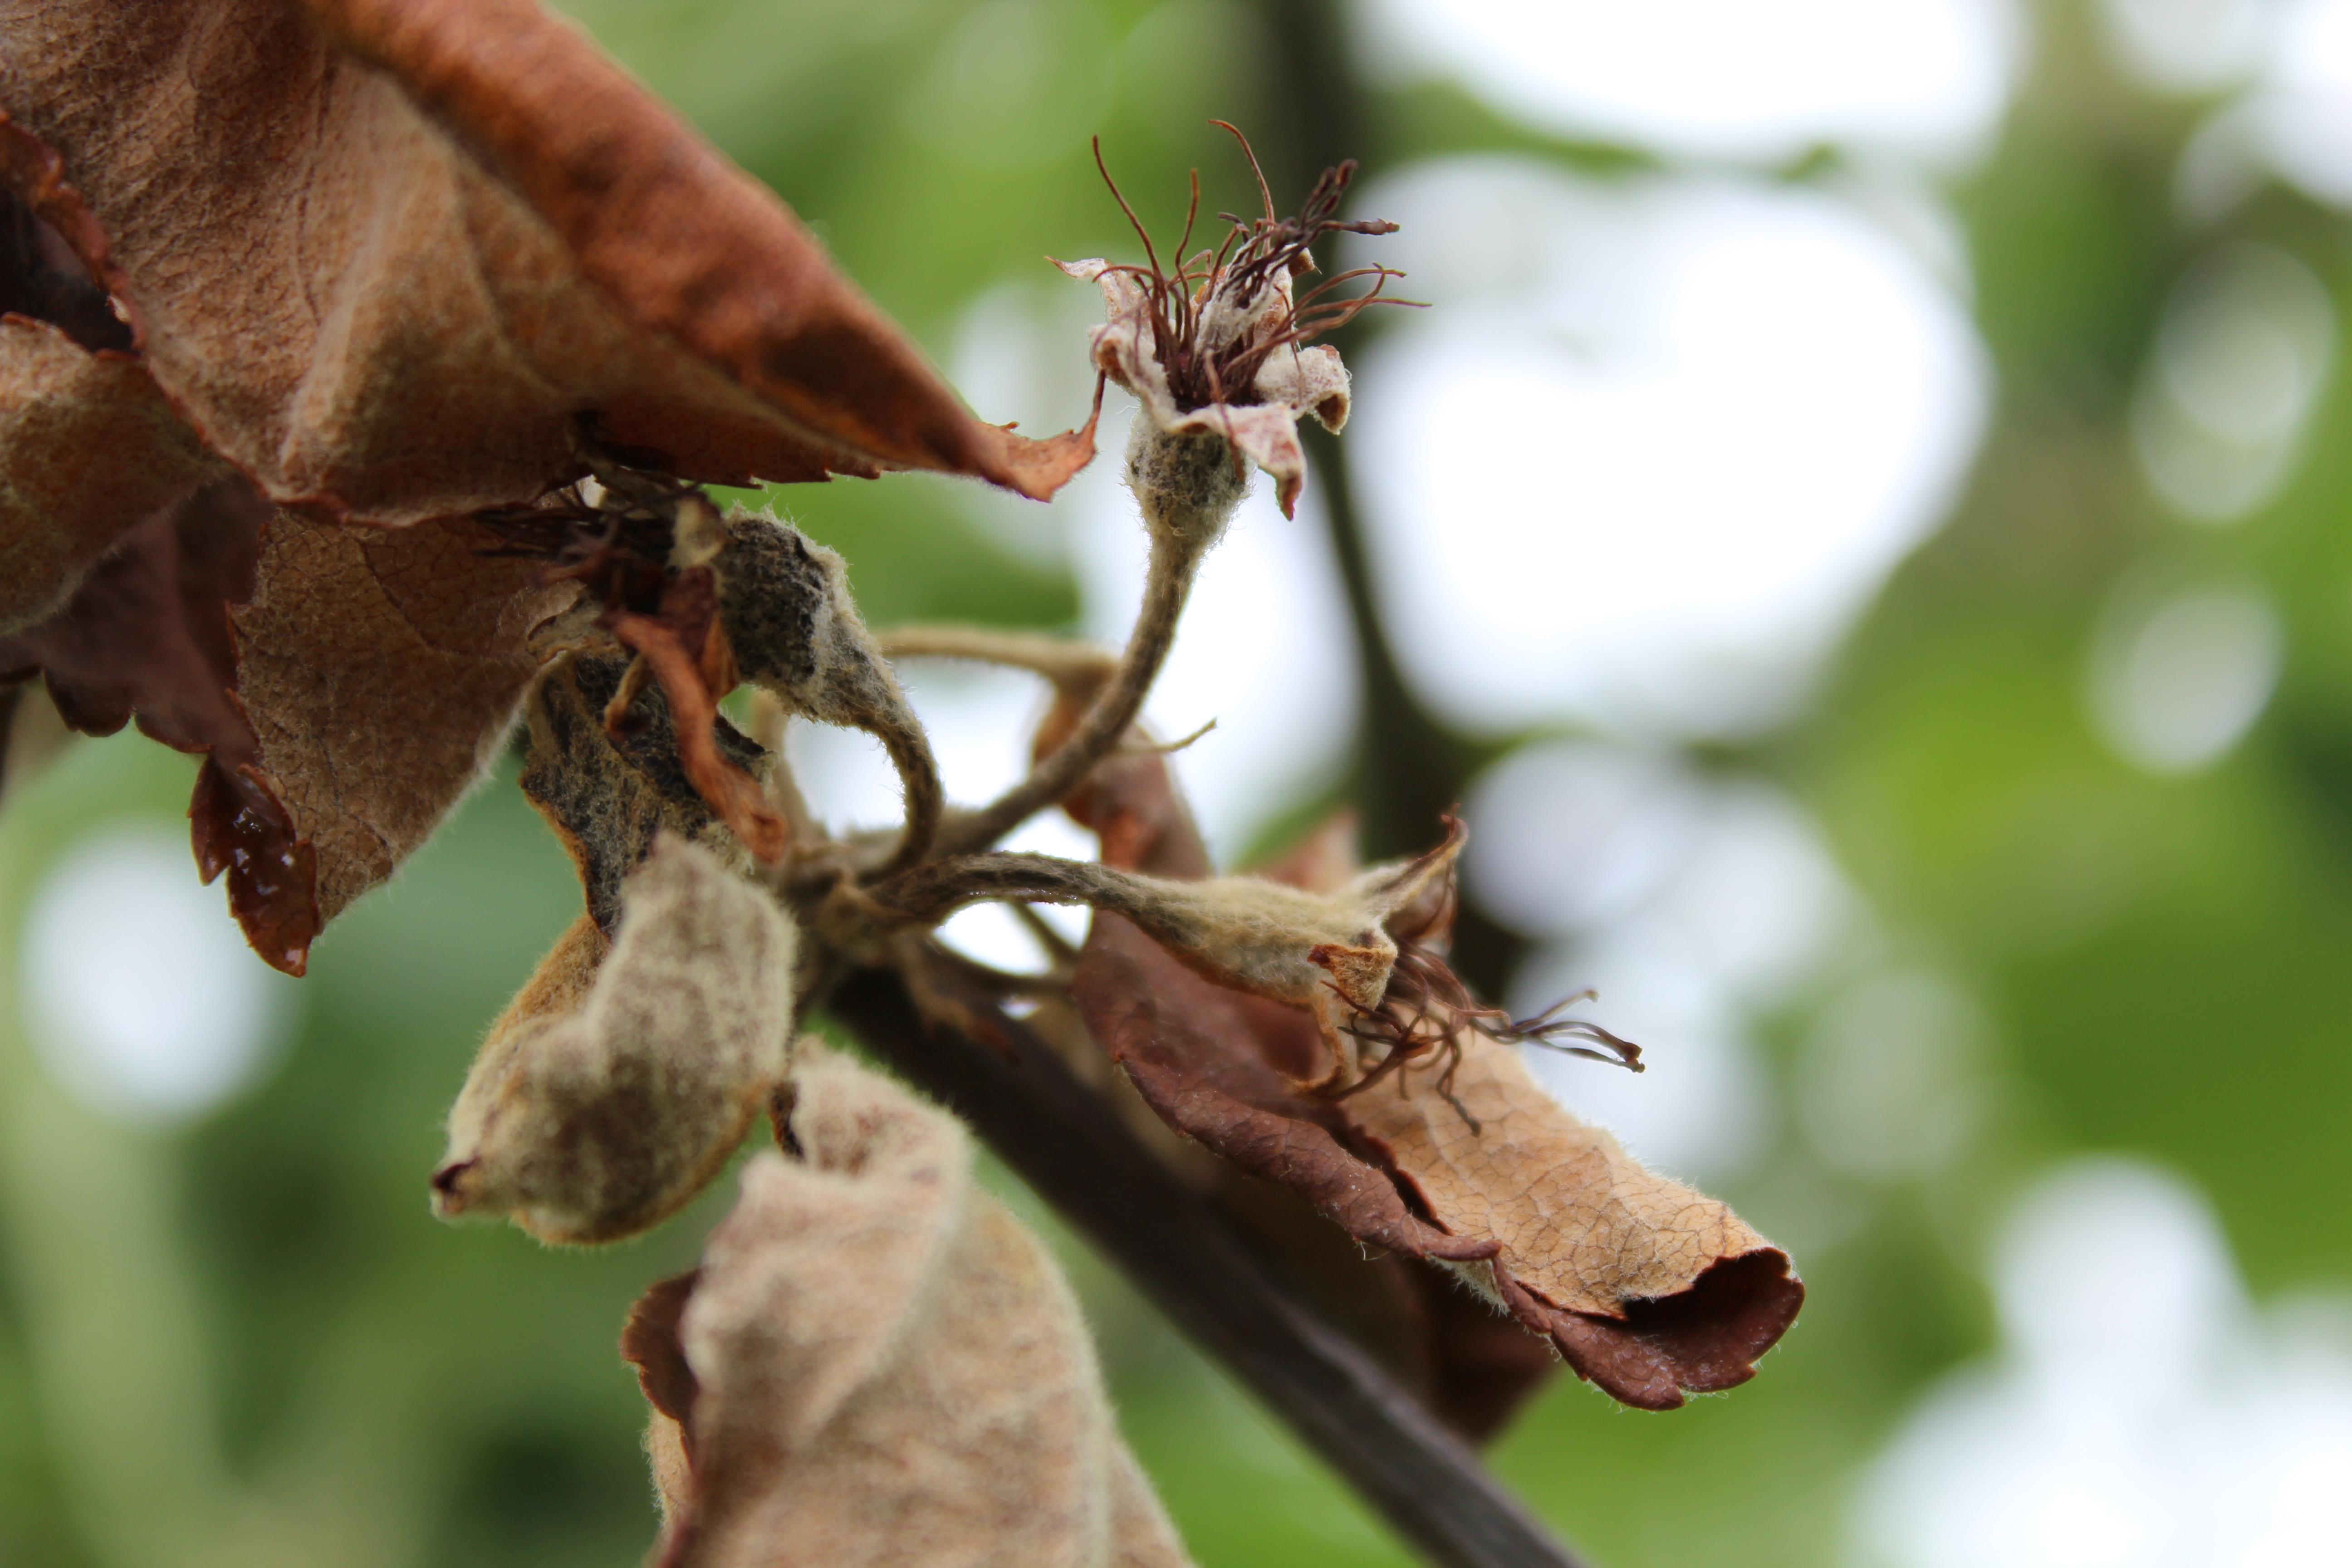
x,y
1215,1065
363,688
876,1365
1221,1068
380,671
1646,1288
89,450
147,636
387,258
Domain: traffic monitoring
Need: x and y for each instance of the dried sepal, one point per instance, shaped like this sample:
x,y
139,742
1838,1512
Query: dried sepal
x,y
680,644
867,1299
611,1091
609,796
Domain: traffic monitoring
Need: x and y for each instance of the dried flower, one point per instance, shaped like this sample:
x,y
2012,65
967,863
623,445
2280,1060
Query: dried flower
x,y
1223,346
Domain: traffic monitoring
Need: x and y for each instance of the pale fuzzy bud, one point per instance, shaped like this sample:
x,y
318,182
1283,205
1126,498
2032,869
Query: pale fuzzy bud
x,y
1331,953
598,1108
794,630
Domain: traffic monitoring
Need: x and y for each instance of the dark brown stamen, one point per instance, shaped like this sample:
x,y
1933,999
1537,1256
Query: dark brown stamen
x,y
1258,254
1426,1008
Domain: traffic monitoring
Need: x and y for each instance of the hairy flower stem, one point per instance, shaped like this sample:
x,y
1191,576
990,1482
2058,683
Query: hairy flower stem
x,y
1072,666
1189,485
909,749
932,893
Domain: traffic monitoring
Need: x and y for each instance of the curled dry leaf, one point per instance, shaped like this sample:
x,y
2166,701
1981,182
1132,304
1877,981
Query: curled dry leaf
x,y
1647,1288
867,1299
616,1085
385,258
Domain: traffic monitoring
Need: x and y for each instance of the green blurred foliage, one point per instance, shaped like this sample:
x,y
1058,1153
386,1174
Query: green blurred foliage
x,y
248,1342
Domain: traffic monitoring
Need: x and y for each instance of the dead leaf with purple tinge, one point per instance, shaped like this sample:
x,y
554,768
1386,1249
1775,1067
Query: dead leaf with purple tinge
x,y
876,1365
386,258
1647,1288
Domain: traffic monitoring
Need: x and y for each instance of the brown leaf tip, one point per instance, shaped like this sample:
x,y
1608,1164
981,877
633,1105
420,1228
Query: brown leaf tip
x,y
1703,1340
239,826
649,1343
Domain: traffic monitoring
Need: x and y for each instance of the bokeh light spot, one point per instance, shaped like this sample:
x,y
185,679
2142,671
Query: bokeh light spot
x,y
141,998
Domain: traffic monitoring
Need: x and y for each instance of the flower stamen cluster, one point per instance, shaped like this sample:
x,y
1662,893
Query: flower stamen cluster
x,y
1199,314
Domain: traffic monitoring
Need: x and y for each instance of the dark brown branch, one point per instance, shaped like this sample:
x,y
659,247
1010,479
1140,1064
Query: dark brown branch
x,y
1066,1142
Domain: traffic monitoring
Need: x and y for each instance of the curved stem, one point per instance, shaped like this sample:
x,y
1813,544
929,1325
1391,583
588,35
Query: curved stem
x,y
919,775
1188,485
930,893
1071,665
1175,562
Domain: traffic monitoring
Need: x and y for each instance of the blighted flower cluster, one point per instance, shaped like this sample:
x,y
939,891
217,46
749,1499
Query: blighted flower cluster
x,y
347,631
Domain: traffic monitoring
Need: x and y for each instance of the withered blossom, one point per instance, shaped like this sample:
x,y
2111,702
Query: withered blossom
x,y
1225,346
